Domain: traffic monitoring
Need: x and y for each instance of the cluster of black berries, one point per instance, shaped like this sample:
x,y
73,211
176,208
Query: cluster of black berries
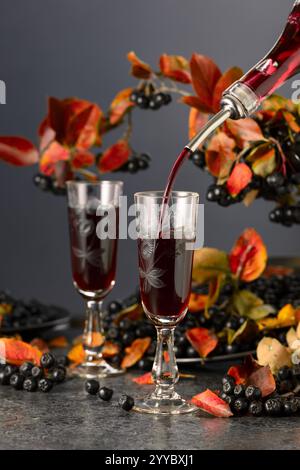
x,y
26,314
242,399
198,158
275,187
136,162
278,291
46,183
30,377
286,215
92,387
151,100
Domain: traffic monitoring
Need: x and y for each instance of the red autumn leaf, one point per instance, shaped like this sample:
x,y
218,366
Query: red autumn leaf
x,y
227,79
237,372
40,344
239,179
290,119
263,379
197,120
16,352
74,121
119,106
244,131
242,372
203,340
18,151
52,155
139,69
205,76
82,128
248,257
197,302
83,159
212,404
175,67
114,157
46,134
58,342
135,352
145,379
195,102
110,349
220,155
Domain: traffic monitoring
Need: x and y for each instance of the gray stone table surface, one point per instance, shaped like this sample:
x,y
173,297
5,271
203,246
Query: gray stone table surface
x,y
66,418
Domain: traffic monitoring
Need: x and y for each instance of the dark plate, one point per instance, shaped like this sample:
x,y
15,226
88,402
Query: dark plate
x,y
222,358
58,323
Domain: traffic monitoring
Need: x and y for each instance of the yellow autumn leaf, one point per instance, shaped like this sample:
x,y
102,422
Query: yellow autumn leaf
x,y
286,317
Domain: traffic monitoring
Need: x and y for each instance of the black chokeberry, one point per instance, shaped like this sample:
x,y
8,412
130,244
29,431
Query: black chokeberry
x,y
256,408
228,388
274,180
16,381
228,378
126,402
37,372
132,166
239,390
167,98
252,393
114,307
47,360
58,374
289,408
8,371
30,384
105,393
92,387
284,373
240,405
45,385
142,101
273,406
43,182
198,158
134,96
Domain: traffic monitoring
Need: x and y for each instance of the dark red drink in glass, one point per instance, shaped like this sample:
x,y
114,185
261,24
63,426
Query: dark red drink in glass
x,y
165,269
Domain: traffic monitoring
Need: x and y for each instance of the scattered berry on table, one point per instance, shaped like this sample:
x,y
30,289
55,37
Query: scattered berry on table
x,y
256,408
273,406
26,368
45,385
30,384
58,374
37,372
16,381
92,387
290,407
126,402
105,393
240,405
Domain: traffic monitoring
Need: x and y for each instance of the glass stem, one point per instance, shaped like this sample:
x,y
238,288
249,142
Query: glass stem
x,y
165,371
93,335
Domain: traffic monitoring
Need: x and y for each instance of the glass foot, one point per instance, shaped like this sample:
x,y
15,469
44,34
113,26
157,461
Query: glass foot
x,y
95,369
173,405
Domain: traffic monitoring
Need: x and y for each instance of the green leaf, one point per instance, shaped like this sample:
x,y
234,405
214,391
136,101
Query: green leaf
x,y
244,301
263,159
209,263
257,313
237,333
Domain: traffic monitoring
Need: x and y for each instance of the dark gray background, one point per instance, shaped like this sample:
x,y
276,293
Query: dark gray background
x,y
78,48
